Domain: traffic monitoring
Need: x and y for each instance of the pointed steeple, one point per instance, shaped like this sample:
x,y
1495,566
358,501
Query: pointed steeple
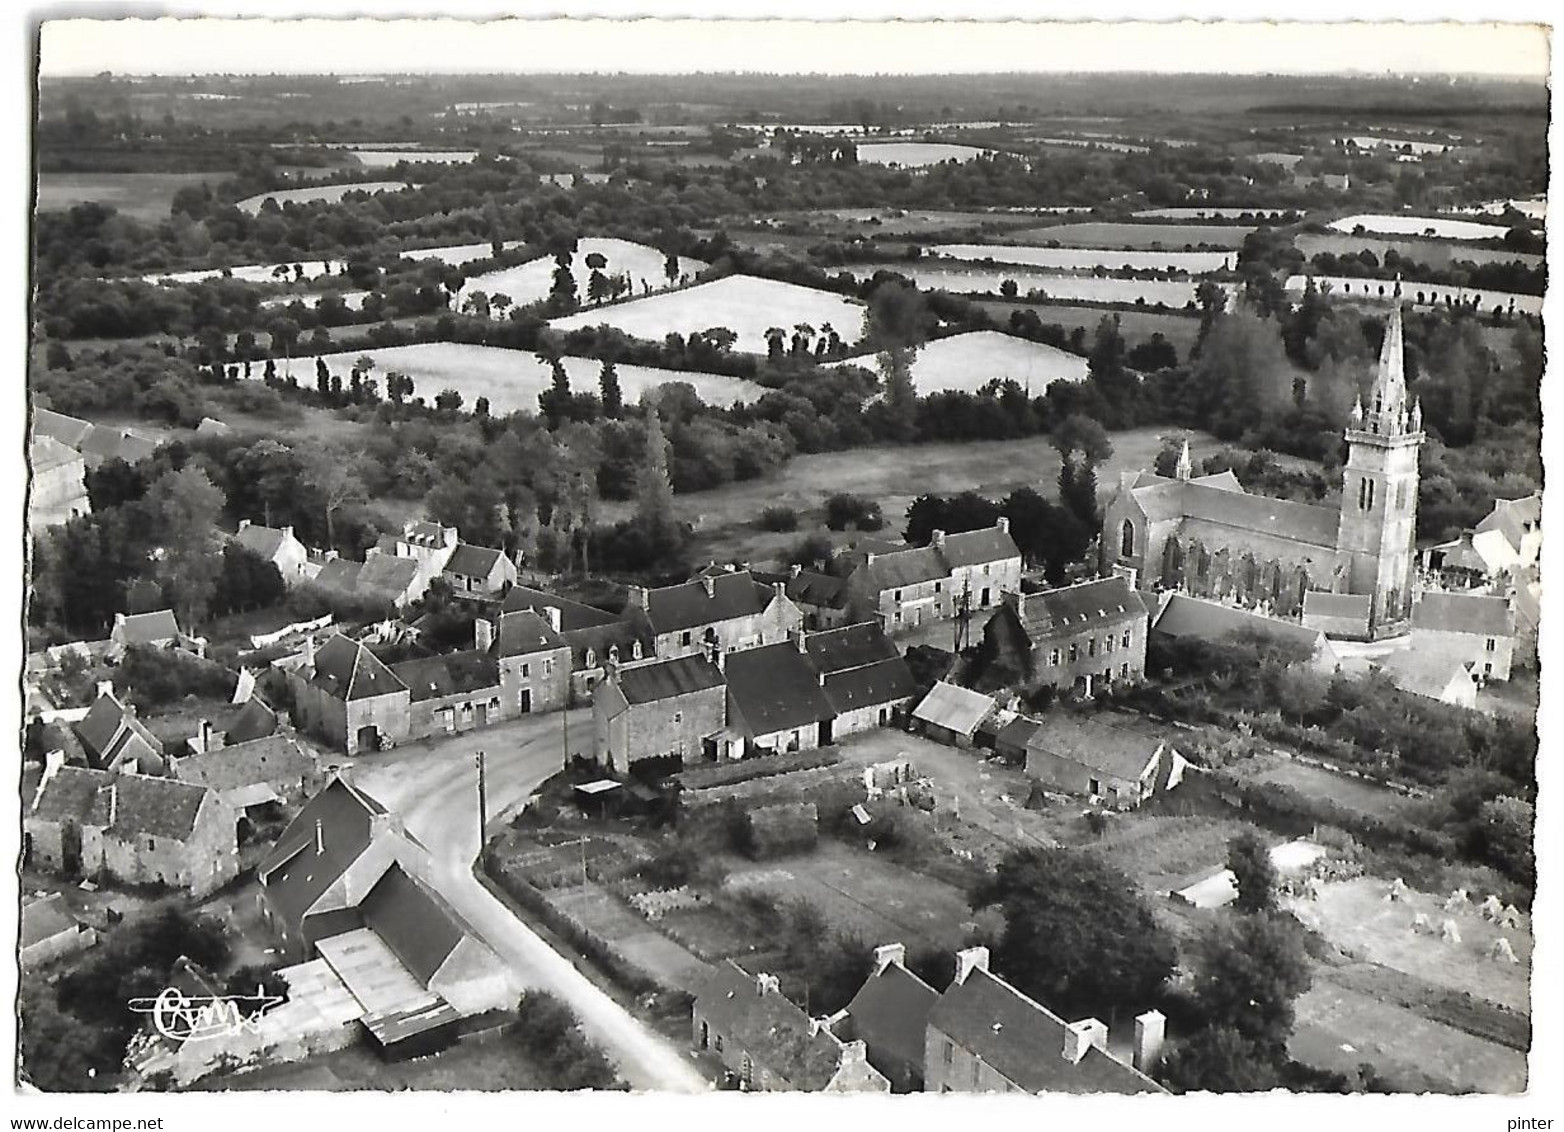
x,y
1387,404
1185,467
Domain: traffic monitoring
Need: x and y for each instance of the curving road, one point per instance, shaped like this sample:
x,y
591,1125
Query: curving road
x,y
434,787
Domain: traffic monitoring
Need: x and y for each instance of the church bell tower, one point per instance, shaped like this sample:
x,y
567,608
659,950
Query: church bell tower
x,y
1379,488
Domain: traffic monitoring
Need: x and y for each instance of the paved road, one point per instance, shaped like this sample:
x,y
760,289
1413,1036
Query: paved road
x,y
434,787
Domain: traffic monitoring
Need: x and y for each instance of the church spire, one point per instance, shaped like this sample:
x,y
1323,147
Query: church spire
x,y
1388,400
1185,467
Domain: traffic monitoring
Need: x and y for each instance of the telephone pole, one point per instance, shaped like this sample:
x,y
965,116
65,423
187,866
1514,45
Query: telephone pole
x,y
483,806
963,614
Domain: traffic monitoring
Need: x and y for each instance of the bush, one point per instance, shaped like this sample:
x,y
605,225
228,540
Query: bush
x,y
811,552
155,677
778,519
551,1036
844,510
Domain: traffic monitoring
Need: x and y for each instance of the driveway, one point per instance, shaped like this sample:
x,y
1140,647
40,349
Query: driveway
x,y
434,787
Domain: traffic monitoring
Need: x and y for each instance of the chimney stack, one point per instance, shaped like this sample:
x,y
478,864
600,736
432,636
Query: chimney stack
x,y
309,650
483,634
287,532
119,620
766,984
889,953
113,803
780,588
1003,523
206,735
709,584
1080,1036
105,687
388,822
1150,1030
551,615
800,641
244,524
939,539
794,570
320,838
637,599
968,960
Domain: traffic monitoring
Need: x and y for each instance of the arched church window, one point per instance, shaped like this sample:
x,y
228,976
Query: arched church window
x,y
1127,539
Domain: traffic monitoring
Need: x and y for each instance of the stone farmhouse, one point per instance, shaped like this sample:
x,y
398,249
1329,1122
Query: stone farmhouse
x,y
58,492
596,638
658,709
113,738
906,587
1112,758
1081,638
721,607
1476,630
277,545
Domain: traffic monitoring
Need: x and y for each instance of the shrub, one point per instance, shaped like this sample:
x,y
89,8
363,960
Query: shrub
x,y
778,519
844,510
551,1036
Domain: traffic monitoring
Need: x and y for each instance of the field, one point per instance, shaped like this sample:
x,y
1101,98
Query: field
x,y
1085,259
512,379
530,281
1354,793
458,254
568,180
1419,294
333,193
1212,213
744,304
970,361
140,196
1103,234
1375,141
1136,326
1535,208
1439,227
386,158
250,272
1076,288
1435,253
898,222
913,154
1100,143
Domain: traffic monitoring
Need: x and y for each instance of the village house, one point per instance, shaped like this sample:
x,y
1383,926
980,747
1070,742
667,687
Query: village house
x,y
776,703
907,587
534,660
728,609
69,431
450,693
273,768
658,709
985,1036
1189,618
596,637
866,681
1510,536
1081,638
130,829
1433,676
428,546
769,1044
890,1015
384,579
50,931
1475,629
59,492
822,598
1112,758
1338,616
102,444
252,719
346,696
479,571
951,714
113,738
156,630
277,545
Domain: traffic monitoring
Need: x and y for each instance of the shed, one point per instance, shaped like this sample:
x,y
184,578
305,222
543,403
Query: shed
x,y
951,714
1343,616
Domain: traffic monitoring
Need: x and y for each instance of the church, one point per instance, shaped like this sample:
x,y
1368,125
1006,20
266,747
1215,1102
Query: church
x,y
1207,536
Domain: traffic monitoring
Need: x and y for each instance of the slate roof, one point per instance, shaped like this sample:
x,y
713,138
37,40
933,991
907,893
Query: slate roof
x,y
1424,673
807,587
664,679
1478,614
469,561
1220,500
261,540
850,646
686,606
883,682
1113,747
347,670
449,674
1185,616
159,807
768,1027
1024,1040
775,688
523,633
421,532
388,575
573,615
69,431
109,732
954,708
1017,731
1319,603
298,869
890,1014
903,568
339,574
412,921
973,548
46,453
1073,609
148,628
254,720
45,918
1511,516
116,444
269,759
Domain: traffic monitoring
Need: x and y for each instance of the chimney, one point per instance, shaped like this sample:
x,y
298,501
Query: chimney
x,y
287,532
794,570
853,1053
105,687
939,539
243,524
969,960
206,735
113,803
483,634
780,588
1081,1036
320,839
119,620
1150,1029
869,557
551,615
800,641
709,584
388,822
637,598
766,984
309,650
1003,523
889,953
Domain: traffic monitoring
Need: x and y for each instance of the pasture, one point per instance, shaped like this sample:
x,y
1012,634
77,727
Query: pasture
x,y
1442,228
896,221
1418,294
913,155
1213,213
140,196
1086,259
970,361
1105,234
512,379
746,305
530,282
1434,253
387,158
1135,326
328,193
1067,288
253,272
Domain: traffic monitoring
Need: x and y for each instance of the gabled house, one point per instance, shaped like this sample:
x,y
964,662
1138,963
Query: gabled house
x,y
1110,757
775,699
102,444
50,931
345,695
951,713
1340,616
479,571
890,1015
769,1044
1433,676
726,609
596,637
391,580
156,630
1475,629
1080,638
113,738
59,491
277,545
904,587
131,829
1509,537
451,693
69,431
822,598
985,1036
534,660
1190,618
983,564
658,709
865,679
274,768
427,546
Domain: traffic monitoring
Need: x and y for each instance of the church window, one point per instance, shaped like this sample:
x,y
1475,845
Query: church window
x,y
1371,495
1491,644
1127,539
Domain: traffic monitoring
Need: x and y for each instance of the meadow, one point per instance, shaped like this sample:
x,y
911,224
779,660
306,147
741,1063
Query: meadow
x,y
1435,253
386,158
912,155
1077,288
251,272
743,304
1136,326
1212,213
1099,143
1440,227
1103,234
1085,259
512,379
140,196
332,193
970,361
1419,294
530,282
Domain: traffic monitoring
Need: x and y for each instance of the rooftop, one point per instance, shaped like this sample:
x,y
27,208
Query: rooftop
x,y
469,561
346,670
1478,614
775,688
954,708
664,679
450,674
689,605
1117,745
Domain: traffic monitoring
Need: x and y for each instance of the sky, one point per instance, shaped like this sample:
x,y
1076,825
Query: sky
x,y
379,46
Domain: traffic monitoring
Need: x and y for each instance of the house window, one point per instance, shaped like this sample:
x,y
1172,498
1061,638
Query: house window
x,y
1091,647
1487,670
1094,786
591,658
526,671
936,587
1124,671
1490,645
548,667
1127,540
977,1072
898,595
985,567
950,1052
716,1042
684,637
678,717
151,844
1053,656
1107,643
1075,652
1125,640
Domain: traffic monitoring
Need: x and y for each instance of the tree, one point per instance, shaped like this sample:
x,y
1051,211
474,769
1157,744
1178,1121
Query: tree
x,y
1218,1059
1078,935
654,488
333,473
187,506
1254,874
1247,972
1242,376
671,267
611,395
1506,826
562,294
247,581
1083,446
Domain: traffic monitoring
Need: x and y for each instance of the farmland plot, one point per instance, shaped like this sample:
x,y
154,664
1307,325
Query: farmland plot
x,y
512,379
1085,259
331,193
530,282
743,304
253,272
1213,213
457,254
1104,234
970,361
1435,253
141,196
1439,227
386,158
1071,288
1099,143
1419,294
912,155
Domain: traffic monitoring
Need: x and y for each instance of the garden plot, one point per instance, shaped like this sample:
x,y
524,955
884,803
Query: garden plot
x,y
970,361
1434,253
512,379
1087,259
911,155
1042,284
1442,228
329,193
1105,234
530,282
744,304
1419,294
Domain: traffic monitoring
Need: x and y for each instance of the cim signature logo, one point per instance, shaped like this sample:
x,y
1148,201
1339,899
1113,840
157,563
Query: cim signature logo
x,y
180,1017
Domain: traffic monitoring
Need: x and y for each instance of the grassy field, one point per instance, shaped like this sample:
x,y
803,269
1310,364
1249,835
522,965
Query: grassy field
x,y
1441,227
912,155
141,196
1093,234
1365,797
252,205
530,282
1136,326
900,222
1416,295
386,158
1435,253
744,304
1084,259
971,361
958,279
